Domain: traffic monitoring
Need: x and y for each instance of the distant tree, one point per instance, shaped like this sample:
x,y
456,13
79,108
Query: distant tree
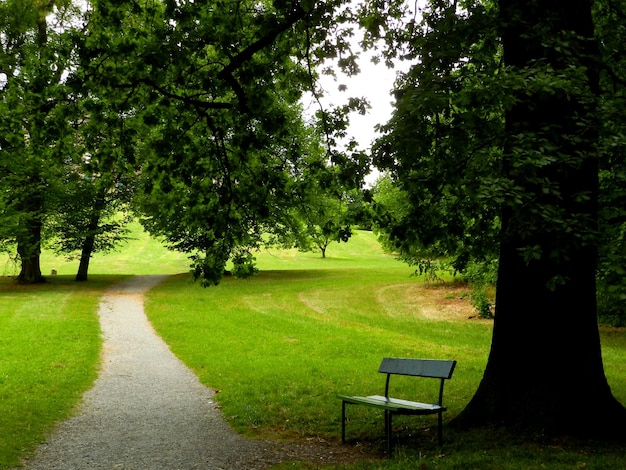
x,y
324,219
93,213
320,205
92,218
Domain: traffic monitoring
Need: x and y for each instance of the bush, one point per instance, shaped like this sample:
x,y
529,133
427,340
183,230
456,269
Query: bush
x,y
244,265
481,276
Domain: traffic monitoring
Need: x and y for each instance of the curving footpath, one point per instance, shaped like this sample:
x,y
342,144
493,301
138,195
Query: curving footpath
x,y
146,410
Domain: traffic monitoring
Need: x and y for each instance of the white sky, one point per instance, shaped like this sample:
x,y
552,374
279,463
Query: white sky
x,y
375,83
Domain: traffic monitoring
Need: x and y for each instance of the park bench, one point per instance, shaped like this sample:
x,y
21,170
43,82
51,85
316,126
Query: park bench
x,y
430,368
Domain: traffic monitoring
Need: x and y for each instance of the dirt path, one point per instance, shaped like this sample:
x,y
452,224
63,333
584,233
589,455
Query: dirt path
x,y
147,410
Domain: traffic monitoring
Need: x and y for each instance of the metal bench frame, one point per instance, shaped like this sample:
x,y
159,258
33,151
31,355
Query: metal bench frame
x,y
430,368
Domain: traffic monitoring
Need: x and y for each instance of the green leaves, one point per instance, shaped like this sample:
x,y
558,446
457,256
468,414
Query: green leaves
x,y
216,87
445,144
37,150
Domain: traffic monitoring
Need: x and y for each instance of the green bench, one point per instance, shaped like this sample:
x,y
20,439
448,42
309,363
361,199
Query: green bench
x,y
431,368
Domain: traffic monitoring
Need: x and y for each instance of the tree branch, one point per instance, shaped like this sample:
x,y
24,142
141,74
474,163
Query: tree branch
x,y
191,101
246,54
237,61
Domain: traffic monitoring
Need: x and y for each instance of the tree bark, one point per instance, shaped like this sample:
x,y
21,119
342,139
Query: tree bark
x,y
29,251
29,238
545,373
89,243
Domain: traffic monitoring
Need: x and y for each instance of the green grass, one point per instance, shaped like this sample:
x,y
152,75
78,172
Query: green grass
x,y
50,338
278,347
49,351
285,343
141,254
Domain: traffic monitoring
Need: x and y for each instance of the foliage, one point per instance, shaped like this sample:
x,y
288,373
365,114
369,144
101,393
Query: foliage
x,y
193,106
243,265
63,178
218,90
391,205
443,143
321,207
448,167
482,278
609,20
37,138
103,181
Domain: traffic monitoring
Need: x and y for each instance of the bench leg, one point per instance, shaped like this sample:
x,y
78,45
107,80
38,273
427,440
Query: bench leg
x,y
343,422
439,429
388,431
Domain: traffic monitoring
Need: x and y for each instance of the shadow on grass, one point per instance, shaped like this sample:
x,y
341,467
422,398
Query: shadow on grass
x,y
489,449
96,283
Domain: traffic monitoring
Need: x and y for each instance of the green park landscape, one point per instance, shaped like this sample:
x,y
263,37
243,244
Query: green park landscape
x,y
482,219
279,347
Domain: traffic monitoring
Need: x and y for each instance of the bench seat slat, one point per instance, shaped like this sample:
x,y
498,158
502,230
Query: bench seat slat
x,y
394,404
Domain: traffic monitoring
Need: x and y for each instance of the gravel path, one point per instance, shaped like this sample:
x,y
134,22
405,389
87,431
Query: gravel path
x,y
147,410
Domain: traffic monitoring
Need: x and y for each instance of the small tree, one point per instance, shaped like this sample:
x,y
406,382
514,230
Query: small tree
x,y
322,225
321,209
94,211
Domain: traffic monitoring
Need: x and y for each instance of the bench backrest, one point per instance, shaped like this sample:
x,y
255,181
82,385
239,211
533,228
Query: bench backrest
x,y
432,368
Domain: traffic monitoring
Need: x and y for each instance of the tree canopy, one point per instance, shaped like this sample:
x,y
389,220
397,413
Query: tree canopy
x,y
444,144
37,134
218,90
193,112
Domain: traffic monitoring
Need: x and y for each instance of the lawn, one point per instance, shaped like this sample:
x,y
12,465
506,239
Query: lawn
x,y
278,347
49,349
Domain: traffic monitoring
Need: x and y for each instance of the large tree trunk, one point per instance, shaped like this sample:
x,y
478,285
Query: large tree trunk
x,y
29,237
545,373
